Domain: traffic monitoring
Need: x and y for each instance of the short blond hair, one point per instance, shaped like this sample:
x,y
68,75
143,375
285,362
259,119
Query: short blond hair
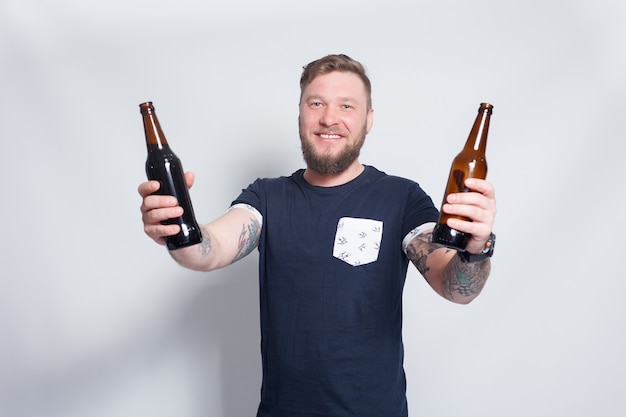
x,y
331,63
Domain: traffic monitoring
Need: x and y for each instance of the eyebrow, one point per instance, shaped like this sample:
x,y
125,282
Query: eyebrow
x,y
322,98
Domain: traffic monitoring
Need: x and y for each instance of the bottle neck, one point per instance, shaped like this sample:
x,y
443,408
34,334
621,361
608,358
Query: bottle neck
x,y
477,139
152,128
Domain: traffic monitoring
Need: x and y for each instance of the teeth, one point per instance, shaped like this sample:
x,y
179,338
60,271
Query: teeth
x,y
326,136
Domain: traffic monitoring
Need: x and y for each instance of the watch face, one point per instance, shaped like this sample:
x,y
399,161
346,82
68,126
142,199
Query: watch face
x,y
490,244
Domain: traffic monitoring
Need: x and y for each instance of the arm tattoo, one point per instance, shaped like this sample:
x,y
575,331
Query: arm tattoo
x,y
459,278
418,251
465,278
248,239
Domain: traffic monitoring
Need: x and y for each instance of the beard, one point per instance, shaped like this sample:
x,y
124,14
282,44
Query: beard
x,y
327,164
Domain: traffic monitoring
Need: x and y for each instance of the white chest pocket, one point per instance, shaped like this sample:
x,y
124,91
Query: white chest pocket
x,y
357,241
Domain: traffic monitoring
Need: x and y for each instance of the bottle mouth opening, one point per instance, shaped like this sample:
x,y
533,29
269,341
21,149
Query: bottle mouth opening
x,y
146,107
486,107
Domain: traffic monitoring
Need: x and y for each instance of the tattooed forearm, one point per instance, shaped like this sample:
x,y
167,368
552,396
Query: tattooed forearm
x,y
465,279
248,239
418,251
452,278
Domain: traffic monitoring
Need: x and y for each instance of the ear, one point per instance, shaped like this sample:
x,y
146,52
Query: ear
x,y
370,120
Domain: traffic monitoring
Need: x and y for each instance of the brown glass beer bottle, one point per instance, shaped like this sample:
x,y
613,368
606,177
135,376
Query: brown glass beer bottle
x,y
164,166
470,163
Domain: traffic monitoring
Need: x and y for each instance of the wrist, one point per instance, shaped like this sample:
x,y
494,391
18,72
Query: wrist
x,y
486,253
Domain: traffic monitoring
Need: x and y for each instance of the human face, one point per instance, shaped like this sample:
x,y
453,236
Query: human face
x,y
334,120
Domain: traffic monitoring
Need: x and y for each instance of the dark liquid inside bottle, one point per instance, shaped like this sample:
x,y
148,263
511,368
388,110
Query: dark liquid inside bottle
x,y
165,167
452,238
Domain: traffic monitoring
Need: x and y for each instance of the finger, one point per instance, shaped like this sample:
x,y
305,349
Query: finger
x,y
479,232
190,177
148,187
152,216
471,198
475,213
474,206
158,233
483,187
153,202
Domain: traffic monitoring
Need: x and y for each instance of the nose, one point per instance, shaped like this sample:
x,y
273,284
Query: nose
x,y
329,117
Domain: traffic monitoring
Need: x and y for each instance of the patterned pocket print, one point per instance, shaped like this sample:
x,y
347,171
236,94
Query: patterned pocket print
x,y
357,241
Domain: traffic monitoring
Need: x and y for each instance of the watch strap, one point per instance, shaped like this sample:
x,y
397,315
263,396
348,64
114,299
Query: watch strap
x,y
485,254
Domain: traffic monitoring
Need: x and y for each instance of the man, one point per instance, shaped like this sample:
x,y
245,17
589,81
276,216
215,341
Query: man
x,y
334,241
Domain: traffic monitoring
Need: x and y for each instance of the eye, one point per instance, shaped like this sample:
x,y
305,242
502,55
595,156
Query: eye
x,y
347,107
315,104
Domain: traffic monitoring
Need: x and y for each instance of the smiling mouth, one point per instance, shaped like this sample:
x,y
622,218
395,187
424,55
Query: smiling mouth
x,y
329,136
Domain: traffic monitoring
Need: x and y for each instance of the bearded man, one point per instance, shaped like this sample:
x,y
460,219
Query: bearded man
x,y
335,240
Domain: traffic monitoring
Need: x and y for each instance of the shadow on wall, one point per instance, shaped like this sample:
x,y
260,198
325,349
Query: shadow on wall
x,y
215,333
226,317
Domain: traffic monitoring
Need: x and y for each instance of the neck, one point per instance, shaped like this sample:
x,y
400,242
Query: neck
x,y
333,180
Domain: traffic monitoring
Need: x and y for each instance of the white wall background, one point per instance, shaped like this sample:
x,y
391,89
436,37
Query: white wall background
x,y
96,320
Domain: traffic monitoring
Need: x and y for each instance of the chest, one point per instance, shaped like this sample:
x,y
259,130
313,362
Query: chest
x,y
356,228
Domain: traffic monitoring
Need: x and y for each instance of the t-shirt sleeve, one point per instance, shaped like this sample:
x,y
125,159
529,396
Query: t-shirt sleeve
x,y
251,196
421,214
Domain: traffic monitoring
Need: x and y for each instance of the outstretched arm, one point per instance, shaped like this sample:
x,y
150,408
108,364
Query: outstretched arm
x,y
449,275
224,241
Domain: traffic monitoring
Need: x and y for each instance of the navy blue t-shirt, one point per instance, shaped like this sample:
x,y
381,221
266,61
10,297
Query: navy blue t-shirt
x,y
332,272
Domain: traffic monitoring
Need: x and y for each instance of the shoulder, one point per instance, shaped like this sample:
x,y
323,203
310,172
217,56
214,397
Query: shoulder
x,y
262,190
394,182
276,182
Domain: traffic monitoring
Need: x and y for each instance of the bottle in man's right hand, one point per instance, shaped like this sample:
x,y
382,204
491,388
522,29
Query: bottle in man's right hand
x,y
164,166
470,163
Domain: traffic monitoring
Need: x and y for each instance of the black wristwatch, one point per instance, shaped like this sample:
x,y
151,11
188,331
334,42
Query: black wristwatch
x,y
485,254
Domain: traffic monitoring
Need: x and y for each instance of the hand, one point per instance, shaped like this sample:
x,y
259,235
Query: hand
x,y
479,205
157,208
